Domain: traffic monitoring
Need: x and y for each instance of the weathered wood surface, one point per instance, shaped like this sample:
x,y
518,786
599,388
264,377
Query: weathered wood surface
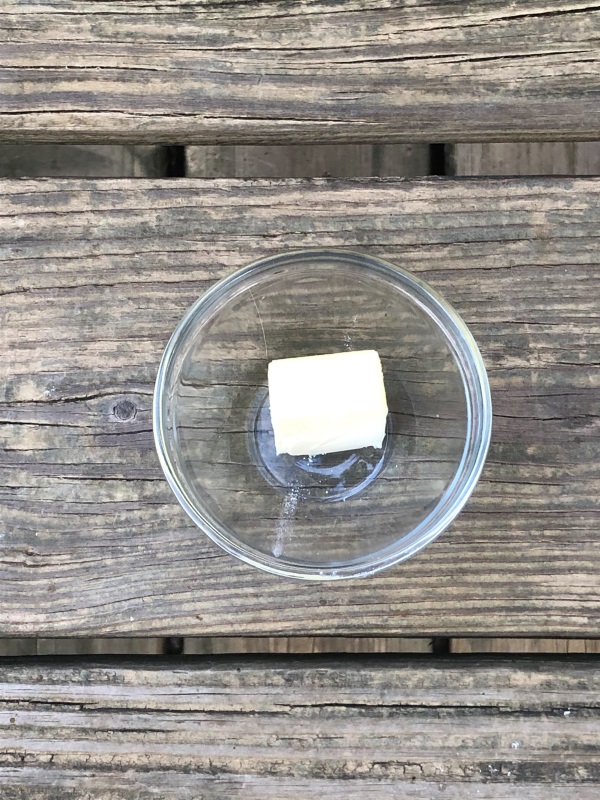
x,y
287,728
527,158
39,160
300,161
194,72
53,647
82,161
554,646
114,646
304,644
308,161
95,276
536,158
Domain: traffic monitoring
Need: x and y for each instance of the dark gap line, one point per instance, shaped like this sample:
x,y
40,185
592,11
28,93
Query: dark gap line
x,y
173,646
437,159
440,646
176,162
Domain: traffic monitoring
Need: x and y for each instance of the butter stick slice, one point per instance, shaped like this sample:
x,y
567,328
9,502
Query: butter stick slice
x,y
327,403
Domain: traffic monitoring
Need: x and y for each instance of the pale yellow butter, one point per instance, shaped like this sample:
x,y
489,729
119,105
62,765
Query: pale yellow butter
x,y
327,403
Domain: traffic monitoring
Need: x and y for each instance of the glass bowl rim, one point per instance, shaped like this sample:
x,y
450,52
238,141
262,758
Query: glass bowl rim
x,y
462,346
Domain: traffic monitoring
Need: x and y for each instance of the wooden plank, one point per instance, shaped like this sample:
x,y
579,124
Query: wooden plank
x,y
308,161
304,644
52,647
575,158
40,160
316,71
18,647
552,646
298,161
87,161
531,158
95,277
286,728
124,646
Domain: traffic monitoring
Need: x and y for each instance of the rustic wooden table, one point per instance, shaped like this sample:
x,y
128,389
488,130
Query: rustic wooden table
x,y
95,274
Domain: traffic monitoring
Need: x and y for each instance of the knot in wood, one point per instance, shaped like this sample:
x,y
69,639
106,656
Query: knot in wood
x,y
124,410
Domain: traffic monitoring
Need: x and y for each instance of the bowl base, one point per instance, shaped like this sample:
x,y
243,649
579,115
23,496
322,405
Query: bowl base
x,y
326,478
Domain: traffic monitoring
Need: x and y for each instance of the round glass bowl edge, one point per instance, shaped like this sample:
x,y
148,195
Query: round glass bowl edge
x,y
477,396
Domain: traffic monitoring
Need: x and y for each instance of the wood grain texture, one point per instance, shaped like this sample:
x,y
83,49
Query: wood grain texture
x,y
95,276
298,161
121,646
574,158
303,644
82,646
308,161
86,161
18,647
552,646
114,161
312,71
527,158
286,728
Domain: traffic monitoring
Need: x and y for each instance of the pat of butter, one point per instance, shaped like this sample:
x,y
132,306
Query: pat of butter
x,y
327,404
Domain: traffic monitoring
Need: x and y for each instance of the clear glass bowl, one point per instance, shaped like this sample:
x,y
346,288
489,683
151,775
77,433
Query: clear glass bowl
x,y
326,517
